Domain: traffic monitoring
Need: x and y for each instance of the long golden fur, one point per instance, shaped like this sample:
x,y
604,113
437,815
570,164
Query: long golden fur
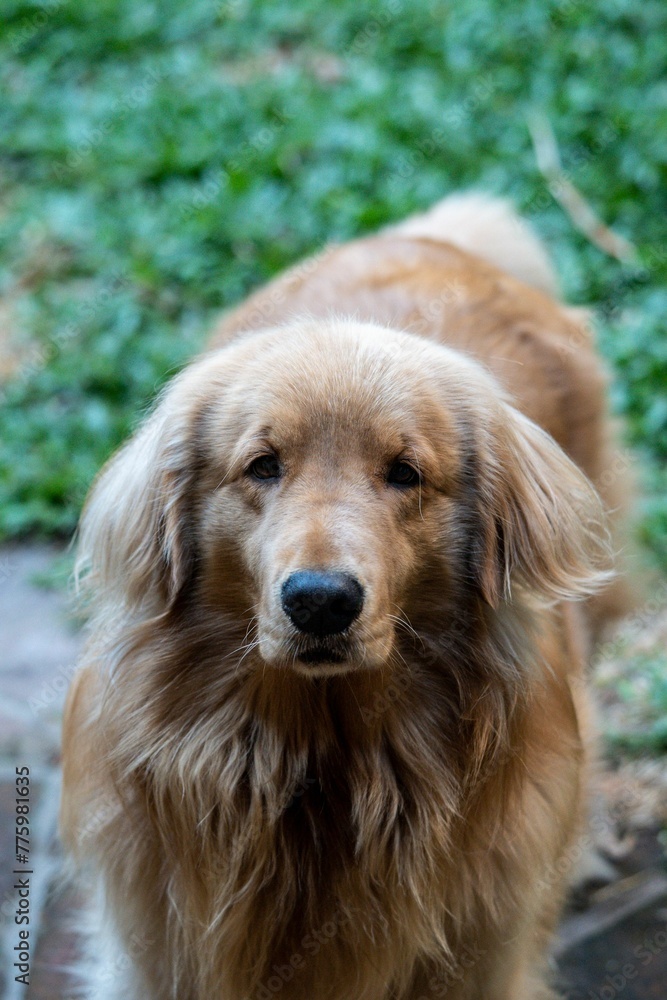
x,y
387,813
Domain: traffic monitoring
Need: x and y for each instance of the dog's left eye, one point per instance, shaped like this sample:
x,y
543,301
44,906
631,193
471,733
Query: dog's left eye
x,y
265,467
403,474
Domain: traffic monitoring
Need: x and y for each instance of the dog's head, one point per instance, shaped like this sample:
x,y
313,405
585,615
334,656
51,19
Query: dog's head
x,y
324,485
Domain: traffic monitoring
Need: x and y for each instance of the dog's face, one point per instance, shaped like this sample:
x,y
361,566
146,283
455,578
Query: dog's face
x,y
328,484
332,466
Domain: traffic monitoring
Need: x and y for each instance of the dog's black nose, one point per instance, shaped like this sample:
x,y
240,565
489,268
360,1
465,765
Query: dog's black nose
x,y
321,603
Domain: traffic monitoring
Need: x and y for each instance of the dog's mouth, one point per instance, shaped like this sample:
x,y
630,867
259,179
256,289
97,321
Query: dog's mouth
x,y
322,653
325,655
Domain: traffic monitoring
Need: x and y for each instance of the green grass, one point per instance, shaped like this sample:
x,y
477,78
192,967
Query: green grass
x,y
159,160
641,718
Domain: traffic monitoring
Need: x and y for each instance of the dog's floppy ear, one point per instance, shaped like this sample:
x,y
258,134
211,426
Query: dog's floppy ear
x,y
542,523
134,538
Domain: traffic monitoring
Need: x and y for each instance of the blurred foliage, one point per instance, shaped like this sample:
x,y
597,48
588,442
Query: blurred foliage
x,y
642,690
159,160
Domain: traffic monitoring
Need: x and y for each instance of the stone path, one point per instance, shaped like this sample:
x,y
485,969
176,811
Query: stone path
x,y
615,947
39,648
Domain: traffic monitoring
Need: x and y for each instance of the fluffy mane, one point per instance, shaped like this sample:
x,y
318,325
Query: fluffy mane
x,y
325,814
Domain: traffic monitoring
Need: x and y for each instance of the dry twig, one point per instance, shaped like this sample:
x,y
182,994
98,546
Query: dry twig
x,y
571,200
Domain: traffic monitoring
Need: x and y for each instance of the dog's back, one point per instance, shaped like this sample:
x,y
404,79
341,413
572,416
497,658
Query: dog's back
x,y
439,275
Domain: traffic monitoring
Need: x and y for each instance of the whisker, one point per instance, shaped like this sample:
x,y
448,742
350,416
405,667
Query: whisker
x,y
406,626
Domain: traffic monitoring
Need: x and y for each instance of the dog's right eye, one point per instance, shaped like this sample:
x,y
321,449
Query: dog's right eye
x,y
265,467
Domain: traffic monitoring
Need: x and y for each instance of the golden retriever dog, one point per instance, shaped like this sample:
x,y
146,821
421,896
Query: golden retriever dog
x,y
328,741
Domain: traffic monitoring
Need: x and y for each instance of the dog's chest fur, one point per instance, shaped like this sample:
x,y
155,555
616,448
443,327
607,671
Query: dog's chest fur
x,y
325,830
